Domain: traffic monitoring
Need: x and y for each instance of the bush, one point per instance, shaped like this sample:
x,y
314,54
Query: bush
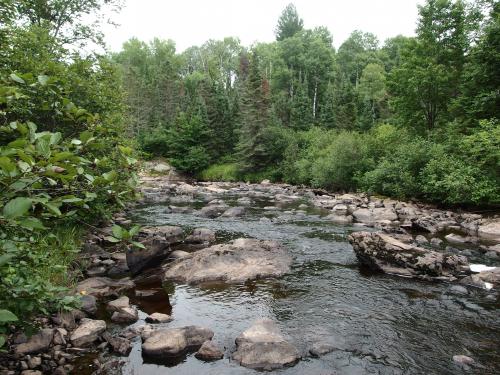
x,y
221,172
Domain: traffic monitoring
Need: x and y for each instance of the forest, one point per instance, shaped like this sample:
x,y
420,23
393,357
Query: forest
x,y
413,118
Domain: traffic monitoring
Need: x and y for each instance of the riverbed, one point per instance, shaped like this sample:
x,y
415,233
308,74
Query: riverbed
x,y
377,323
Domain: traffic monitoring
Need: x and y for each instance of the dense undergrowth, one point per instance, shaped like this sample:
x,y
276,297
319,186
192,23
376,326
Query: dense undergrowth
x,y
64,161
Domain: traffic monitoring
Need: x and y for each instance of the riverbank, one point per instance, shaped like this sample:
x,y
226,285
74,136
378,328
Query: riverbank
x,y
199,215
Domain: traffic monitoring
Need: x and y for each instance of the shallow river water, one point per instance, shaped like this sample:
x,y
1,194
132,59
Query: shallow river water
x,y
380,324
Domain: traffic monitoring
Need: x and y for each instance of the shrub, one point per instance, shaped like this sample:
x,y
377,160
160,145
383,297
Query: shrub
x,y
221,172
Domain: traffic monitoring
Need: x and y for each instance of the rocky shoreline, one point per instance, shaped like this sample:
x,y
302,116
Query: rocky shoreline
x,y
405,239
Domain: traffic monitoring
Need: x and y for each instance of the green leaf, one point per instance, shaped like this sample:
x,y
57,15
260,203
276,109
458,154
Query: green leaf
x,y
6,164
7,316
55,138
134,230
112,239
43,79
17,207
117,231
16,78
2,340
53,208
110,176
4,258
138,244
32,223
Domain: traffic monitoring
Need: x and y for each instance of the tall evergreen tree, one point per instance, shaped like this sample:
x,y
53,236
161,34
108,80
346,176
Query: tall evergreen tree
x,y
254,118
289,23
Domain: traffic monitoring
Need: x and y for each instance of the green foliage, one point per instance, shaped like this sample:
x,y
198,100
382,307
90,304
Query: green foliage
x,y
221,172
289,23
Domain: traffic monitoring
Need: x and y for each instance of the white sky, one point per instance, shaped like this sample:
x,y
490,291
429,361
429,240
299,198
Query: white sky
x,y
192,22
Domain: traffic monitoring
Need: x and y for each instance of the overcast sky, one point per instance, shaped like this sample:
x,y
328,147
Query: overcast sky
x,y
192,22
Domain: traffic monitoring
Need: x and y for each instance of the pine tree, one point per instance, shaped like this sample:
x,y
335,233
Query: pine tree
x,y
289,23
254,119
328,118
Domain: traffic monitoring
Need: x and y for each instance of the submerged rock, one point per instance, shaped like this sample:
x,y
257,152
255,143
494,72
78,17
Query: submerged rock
x,y
175,341
384,253
262,347
234,212
238,261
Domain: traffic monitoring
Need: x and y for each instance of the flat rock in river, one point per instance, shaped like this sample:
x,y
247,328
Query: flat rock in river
x,y
104,286
240,260
262,347
384,253
88,332
175,341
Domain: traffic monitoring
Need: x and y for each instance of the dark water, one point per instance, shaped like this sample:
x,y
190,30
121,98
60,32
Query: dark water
x,y
380,324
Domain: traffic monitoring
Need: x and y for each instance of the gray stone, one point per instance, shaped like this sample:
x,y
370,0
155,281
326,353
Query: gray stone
x,y
118,304
340,219
490,230
436,242
209,352
119,345
178,254
201,235
321,348
262,347
96,271
34,362
175,341
125,315
240,260
234,212
382,252
104,286
421,240
88,304
37,343
158,318
212,211
463,359
88,332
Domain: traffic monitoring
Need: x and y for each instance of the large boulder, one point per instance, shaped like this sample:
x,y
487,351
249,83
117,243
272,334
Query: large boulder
x,y
201,235
384,253
262,347
157,241
372,216
88,332
175,341
490,230
104,286
37,343
240,260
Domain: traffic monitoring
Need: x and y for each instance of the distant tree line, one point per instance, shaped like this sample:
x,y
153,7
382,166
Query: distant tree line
x,y
414,117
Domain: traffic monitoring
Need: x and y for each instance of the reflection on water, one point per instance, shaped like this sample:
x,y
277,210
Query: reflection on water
x,y
379,324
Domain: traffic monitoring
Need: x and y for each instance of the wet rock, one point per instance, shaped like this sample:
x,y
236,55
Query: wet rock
x,y
319,349
375,215
490,230
240,260
421,240
37,343
118,304
171,234
262,347
436,242
88,332
119,345
234,212
96,271
209,352
88,304
68,319
178,254
340,209
126,315
158,318
175,341
31,372
60,336
201,235
340,219
104,286
244,201
457,239
34,362
458,289
463,360
382,252
212,212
